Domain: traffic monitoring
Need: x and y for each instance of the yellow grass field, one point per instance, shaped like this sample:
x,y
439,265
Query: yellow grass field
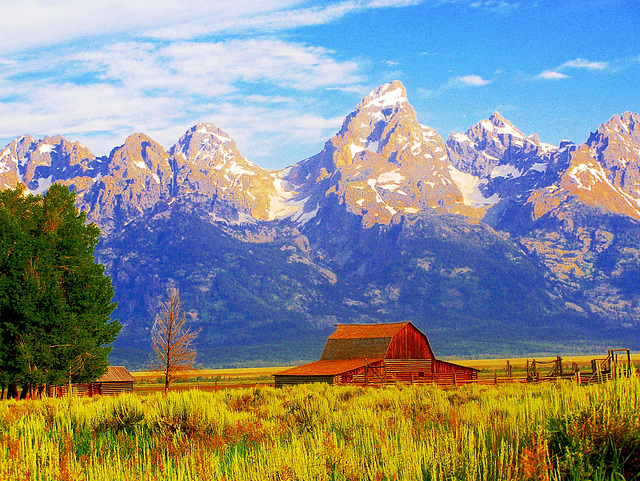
x,y
540,431
238,373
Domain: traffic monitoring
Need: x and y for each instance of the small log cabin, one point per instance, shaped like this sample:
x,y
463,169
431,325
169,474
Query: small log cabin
x,y
116,380
375,354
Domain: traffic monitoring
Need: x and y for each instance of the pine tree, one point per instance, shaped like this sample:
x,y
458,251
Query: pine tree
x,y
55,300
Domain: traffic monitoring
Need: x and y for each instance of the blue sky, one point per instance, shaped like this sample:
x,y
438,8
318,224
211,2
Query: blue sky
x,y
280,75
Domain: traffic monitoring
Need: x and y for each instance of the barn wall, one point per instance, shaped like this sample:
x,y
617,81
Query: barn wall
x,y
113,388
94,389
443,367
409,365
409,343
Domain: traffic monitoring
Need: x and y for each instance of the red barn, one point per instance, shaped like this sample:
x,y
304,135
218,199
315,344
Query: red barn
x,y
376,353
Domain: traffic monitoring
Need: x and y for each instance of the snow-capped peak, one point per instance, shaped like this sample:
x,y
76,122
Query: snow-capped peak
x,y
497,123
627,125
212,131
387,95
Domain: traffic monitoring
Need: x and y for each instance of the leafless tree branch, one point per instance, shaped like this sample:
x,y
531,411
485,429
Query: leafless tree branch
x,y
172,341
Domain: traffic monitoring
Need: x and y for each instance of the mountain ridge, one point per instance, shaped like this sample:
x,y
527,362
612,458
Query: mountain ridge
x,y
387,221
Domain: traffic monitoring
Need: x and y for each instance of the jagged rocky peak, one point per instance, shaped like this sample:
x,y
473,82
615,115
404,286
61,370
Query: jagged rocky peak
x,y
626,125
202,142
624,129
585,180
379,123
385,96
616,145
140,156
39,163
381,163
208,163
493,142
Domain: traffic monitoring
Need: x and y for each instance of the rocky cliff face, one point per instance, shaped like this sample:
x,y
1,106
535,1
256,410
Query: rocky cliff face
x,y
616,146
39,163
207,163
381,163
493,161
573,208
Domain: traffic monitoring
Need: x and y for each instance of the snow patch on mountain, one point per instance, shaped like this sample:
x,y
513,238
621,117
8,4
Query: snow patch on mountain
x,y
389,180
469,186
46,148
540,167
282,204
43,185
238,170
587,177
302,217
459,137
505,170
372,183
497,124
381,98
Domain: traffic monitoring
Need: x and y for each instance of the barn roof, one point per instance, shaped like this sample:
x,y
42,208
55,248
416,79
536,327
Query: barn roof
x,y
367,331
116,374
327,367
358,341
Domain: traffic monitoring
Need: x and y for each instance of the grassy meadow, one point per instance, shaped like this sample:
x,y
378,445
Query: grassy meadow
x,y
555,430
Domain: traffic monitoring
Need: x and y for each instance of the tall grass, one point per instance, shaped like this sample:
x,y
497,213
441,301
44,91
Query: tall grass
x,y
318,432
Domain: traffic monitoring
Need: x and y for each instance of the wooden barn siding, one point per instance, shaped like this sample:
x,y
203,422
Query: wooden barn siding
x,y
284,380
409,343
442,367
95,389
409,365
113,388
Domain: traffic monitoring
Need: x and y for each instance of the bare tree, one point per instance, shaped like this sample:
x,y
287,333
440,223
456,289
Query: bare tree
x,y
171,341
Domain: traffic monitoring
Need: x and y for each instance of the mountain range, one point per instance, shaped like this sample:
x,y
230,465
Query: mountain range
x,y
493,242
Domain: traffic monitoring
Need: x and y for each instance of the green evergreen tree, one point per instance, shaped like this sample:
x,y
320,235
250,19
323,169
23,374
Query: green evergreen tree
x,y
55,301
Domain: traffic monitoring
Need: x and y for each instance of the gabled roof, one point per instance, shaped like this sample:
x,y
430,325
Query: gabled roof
x,y
327,368
360,341
116,374
367,331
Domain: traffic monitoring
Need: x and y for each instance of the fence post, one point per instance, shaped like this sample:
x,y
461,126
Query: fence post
x,y
560,366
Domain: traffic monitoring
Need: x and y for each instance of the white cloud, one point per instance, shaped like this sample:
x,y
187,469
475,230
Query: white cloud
x,y
586,64
163,88
35,23
246,20
391,3
501,6
214,68
472,80
551,75
579,63
98,115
